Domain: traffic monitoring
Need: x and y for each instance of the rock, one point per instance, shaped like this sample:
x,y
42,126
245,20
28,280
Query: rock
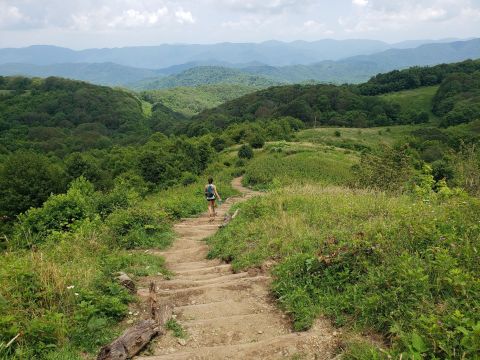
x,y
260,331
129,322
125,281
182,342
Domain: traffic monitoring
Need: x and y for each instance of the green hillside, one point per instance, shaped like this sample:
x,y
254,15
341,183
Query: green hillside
x,y
368,219
204,75
313,104
190,101
416,77
58,115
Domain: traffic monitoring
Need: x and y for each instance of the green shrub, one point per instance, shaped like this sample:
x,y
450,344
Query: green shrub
x,y
27,180
257,141
58,213
120,197
139,227
245,152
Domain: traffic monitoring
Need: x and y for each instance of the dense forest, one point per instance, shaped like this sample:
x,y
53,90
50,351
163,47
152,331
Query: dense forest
x,y
205,75
313,104
415,77
61,116
89,173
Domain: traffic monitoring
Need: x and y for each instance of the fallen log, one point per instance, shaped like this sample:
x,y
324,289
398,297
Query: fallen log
x,y
135,338
130,342
228,218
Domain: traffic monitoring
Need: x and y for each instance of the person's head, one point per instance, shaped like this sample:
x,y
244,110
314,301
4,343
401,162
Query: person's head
x,y
210,180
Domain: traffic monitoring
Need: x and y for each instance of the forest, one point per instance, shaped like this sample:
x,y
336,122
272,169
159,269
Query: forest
x,y
370,212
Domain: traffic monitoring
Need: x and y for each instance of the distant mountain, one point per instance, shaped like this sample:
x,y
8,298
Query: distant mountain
x,y
103,74
360,68
275,53
205,75
355,69
428,54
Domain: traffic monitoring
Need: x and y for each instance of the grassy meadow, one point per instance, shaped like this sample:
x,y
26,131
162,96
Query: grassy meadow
x,y
400,265
356,139
419,99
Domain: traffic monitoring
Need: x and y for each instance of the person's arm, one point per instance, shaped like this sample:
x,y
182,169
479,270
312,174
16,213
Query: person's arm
x,y
216,193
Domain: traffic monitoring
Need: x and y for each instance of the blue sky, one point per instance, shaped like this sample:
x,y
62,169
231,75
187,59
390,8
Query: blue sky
x,y
111,23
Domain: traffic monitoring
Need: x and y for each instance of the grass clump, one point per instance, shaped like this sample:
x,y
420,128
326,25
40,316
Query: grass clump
x,y
177,329
407,269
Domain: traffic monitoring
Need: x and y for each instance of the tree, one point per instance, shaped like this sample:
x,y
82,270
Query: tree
x,y
257,141
27,180
245,152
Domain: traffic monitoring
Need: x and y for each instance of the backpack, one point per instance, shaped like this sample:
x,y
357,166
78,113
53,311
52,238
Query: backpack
x,y
210,192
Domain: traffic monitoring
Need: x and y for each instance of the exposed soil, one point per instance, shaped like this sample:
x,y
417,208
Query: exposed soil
x,y
226,315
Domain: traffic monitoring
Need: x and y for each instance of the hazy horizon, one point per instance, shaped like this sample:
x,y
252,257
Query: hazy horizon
x,y
107,23
251,42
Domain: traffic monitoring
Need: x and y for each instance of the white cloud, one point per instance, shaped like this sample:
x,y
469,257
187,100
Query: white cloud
x,y
132,18
11,16
382,15
266,6
360,2
183,16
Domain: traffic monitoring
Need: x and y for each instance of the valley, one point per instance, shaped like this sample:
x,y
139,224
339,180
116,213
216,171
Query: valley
x,y
356,227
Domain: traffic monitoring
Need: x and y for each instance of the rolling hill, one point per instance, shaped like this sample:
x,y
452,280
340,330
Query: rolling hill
x,y
205,75
190,101
110,74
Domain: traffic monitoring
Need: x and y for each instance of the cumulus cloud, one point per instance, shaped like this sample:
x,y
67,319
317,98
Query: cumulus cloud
x,y
93,14
360,2
402,14
183,16
132,18
265,6
11,16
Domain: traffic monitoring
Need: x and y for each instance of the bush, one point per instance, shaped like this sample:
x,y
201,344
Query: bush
x,y
120,197
27,180
257,141
245,152
139,227
59,213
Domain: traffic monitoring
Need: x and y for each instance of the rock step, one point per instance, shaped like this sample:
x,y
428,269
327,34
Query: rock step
x,y
207,271
194,265
219,308
179,283
253,289
186,251
280,347
229,330
232,285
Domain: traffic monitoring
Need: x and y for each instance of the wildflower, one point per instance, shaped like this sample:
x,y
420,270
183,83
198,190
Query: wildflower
x,y
70,287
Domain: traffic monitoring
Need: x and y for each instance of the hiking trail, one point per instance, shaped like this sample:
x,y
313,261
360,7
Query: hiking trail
x,y
226,315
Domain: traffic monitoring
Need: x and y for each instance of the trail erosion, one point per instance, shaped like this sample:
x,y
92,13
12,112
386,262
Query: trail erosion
x,y
226,315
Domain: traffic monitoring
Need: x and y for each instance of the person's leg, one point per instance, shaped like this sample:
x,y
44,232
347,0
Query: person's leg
x,y
213,208
210,210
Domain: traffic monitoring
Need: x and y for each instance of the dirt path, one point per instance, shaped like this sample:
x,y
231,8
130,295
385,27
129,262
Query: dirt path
x,y
226,315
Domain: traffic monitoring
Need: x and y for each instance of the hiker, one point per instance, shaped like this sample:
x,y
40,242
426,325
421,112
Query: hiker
x,y
211,195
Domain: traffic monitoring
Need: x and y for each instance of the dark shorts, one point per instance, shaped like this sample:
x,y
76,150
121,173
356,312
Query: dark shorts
x,y
210,199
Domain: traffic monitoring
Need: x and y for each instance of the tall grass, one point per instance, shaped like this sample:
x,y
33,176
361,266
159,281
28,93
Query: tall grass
x,y
405,268
290,164
57,279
